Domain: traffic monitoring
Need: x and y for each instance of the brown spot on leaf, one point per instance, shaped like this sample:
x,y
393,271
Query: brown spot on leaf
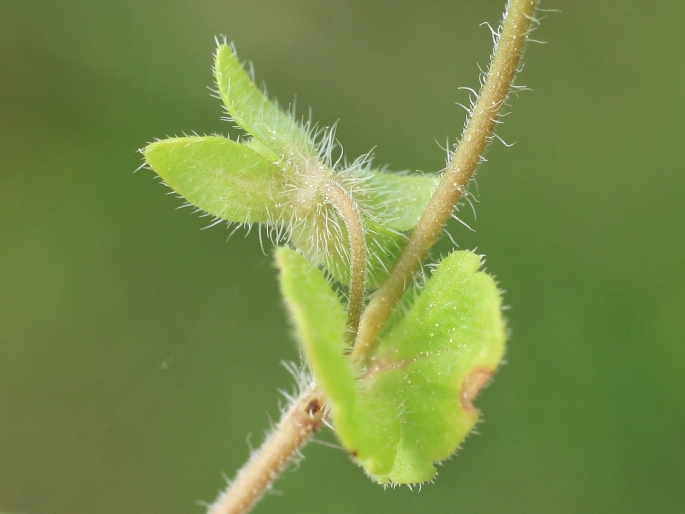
x,y
472,385
354,453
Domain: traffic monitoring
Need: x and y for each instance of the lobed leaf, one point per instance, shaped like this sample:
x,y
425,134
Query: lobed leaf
x,y
411,406
434,361
219,176
273,178
276,178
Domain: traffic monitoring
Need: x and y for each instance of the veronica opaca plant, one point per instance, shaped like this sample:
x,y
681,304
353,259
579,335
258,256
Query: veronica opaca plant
x,y
395,364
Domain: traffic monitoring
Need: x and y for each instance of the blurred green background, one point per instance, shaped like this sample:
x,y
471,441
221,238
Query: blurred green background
x,y
138,352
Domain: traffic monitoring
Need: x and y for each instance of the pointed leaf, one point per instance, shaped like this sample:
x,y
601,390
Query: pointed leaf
x,y
281,137
219,176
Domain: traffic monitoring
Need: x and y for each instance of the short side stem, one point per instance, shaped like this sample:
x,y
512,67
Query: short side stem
x,y
465,160
346,207
297,425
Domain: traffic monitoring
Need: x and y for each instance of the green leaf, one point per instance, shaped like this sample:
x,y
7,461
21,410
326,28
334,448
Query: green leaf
x,y
276,177
384,246
319,319
219,176
324,239
433,363
410,407
279,136
391,204
231,181
396,200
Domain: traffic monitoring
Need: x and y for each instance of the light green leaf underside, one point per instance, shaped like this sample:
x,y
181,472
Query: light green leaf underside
x,y
231,181
241,183
219,176
454,329
391,205
329,246
407,409
279,136
319,319
397,200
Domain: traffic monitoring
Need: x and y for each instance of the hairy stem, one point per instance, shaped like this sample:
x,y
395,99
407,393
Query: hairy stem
x,y
475,138
344,204
297,425
306,415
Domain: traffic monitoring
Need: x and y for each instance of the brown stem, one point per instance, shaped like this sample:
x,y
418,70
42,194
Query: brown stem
x,y
297,425
475,138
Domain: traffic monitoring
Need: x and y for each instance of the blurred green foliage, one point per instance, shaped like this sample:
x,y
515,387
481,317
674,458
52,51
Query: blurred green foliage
x,y
137,351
